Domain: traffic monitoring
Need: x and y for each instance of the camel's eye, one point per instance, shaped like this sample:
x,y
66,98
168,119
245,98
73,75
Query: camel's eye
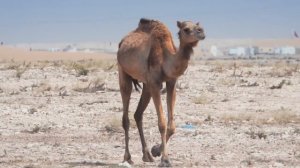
x,y
187,30
199,30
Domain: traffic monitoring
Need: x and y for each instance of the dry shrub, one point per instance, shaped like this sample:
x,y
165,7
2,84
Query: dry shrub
x,y
42,87
83,67
256,134
247,63
218,67
114,125
94,85
227,81
281,72
237,117
283,68
222,65
80,69
283,116
13,66
203,99
20,69
19,72
37,129
280,116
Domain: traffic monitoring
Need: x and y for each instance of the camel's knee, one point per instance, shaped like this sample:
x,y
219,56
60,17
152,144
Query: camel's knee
x,y
171,130
162,127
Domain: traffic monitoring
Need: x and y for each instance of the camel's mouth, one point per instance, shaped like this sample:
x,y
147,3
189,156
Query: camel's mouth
x,y
201,35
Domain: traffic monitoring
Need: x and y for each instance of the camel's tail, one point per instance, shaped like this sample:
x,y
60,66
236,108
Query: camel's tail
x,y
136,85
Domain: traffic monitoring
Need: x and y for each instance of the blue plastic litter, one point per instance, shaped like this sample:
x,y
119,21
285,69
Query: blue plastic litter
x,y
188,126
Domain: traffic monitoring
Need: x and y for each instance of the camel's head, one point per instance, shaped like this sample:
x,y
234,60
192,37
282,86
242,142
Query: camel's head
x,y
190,32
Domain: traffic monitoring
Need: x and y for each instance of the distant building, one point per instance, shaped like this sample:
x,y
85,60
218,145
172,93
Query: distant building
x,y
243,51
214,50
238,51
287,50
298,51
54,49
69,48
266,50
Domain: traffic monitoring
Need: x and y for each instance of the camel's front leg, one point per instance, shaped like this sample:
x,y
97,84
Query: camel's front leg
x,y
155,93
171,96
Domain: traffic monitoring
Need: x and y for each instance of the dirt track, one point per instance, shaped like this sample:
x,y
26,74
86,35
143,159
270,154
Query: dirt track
x,y
50,116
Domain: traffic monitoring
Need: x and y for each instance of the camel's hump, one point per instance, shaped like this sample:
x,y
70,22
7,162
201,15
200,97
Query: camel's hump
x,y
147,21
151,25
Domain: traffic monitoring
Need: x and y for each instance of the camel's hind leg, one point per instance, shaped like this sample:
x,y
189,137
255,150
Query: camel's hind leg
x,y
125,83
138,116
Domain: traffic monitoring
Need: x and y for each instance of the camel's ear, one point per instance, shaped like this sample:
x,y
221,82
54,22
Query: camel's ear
x,y
179,24
197,24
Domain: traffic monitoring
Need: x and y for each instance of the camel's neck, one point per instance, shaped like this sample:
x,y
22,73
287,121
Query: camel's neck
x,y
175,65
185,51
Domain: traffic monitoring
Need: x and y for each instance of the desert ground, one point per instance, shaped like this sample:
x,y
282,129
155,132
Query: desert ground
x,y
65,110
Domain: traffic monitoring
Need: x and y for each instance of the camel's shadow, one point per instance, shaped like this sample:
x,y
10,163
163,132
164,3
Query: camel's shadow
x,y
92,164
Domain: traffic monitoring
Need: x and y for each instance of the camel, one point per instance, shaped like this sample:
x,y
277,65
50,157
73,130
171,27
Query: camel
x,y
148,55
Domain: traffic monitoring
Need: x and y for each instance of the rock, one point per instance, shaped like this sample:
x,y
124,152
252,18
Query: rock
x,y
124,164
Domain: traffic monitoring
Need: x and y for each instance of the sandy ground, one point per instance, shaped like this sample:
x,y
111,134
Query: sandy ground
x,y
228,114
9,53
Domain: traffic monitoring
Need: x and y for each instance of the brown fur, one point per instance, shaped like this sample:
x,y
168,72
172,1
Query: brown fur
x,y
148,54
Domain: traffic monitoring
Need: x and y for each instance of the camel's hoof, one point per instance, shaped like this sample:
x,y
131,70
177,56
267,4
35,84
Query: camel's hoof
x,y
147,157
165,163
155,150
129,161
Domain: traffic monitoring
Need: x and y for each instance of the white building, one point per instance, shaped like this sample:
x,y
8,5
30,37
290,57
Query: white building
x,y
214,51
54,49
288,50
238,51
243,51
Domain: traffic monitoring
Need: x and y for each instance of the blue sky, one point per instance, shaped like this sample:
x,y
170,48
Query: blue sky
x,y
32,21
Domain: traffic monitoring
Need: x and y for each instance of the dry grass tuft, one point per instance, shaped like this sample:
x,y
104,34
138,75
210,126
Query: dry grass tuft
x,y
37,129
95,85
203,99
284,69
218,67
283,116
256,134
114,125
80,69
22,68
19,72
43,87
238,117
280,116
227,81
13,66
